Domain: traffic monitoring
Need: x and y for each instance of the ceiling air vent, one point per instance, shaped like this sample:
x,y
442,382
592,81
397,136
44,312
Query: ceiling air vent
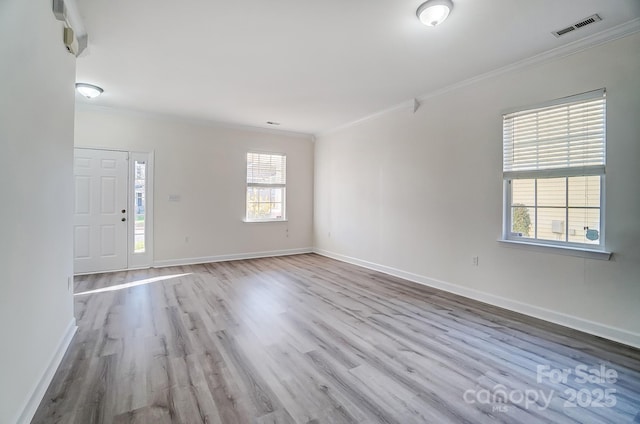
x,y
581,23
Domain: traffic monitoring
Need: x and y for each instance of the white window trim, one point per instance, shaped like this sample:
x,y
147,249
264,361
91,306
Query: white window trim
x,y
506,234
262,221
284,218
548,246
562,250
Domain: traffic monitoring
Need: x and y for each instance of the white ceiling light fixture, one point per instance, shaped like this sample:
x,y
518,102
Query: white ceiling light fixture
x,y
88,90
434,12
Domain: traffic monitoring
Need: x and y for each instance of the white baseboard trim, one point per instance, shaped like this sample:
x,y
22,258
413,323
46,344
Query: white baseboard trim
x,y
30,407
230,257
135,268
612,333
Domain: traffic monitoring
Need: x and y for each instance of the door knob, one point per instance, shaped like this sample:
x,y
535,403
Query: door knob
x,y
123,211
123,219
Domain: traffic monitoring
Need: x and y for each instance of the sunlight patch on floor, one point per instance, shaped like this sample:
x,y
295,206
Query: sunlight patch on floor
x,y
133,284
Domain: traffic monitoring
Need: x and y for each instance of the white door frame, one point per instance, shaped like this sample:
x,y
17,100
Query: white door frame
x,y
136,260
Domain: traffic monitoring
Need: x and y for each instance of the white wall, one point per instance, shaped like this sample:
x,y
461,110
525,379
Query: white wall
x,y
205,164
420,194
36,135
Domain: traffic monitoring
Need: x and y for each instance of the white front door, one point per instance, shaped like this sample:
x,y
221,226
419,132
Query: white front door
x,y
100,211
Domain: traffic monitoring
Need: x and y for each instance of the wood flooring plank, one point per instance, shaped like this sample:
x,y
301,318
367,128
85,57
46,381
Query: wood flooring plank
x,y
306,339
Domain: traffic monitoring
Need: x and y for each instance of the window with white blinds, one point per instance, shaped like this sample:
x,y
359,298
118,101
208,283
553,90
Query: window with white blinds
x,y
266,186
553,167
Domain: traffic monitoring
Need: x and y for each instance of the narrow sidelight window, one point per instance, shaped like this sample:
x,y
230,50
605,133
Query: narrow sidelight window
x,y
139,206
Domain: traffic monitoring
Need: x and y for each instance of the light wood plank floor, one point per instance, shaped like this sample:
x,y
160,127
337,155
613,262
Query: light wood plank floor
x,y
306,339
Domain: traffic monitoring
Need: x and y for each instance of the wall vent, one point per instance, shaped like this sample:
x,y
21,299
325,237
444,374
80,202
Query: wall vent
x,y
581,23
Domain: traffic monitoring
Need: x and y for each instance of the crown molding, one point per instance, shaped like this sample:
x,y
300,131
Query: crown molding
x,y
84,106
407,105
593,40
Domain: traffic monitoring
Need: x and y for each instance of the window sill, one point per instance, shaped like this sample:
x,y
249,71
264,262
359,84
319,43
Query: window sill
x,y
561,250
259,221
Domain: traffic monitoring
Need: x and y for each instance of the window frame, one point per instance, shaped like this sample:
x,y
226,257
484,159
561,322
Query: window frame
x,y
249,185
508,235
597,251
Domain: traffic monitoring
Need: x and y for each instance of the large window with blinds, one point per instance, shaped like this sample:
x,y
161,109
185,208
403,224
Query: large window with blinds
x,y
266,186
553,169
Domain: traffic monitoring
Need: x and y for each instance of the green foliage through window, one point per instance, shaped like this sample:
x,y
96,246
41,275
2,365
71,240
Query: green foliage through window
x,y
521,219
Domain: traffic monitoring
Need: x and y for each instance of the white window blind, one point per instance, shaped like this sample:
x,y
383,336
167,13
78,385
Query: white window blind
x,y
264,169
564,138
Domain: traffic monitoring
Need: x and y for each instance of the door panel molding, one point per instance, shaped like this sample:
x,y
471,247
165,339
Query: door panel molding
x,y
100,184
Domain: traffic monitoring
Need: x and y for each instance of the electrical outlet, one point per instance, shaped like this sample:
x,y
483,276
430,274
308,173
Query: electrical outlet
x,y
475,261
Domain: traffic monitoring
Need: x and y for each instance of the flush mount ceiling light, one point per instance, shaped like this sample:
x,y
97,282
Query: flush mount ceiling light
x,y
434,12
88,90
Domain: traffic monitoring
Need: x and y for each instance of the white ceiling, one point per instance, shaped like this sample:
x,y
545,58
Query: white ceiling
x,y
310,65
